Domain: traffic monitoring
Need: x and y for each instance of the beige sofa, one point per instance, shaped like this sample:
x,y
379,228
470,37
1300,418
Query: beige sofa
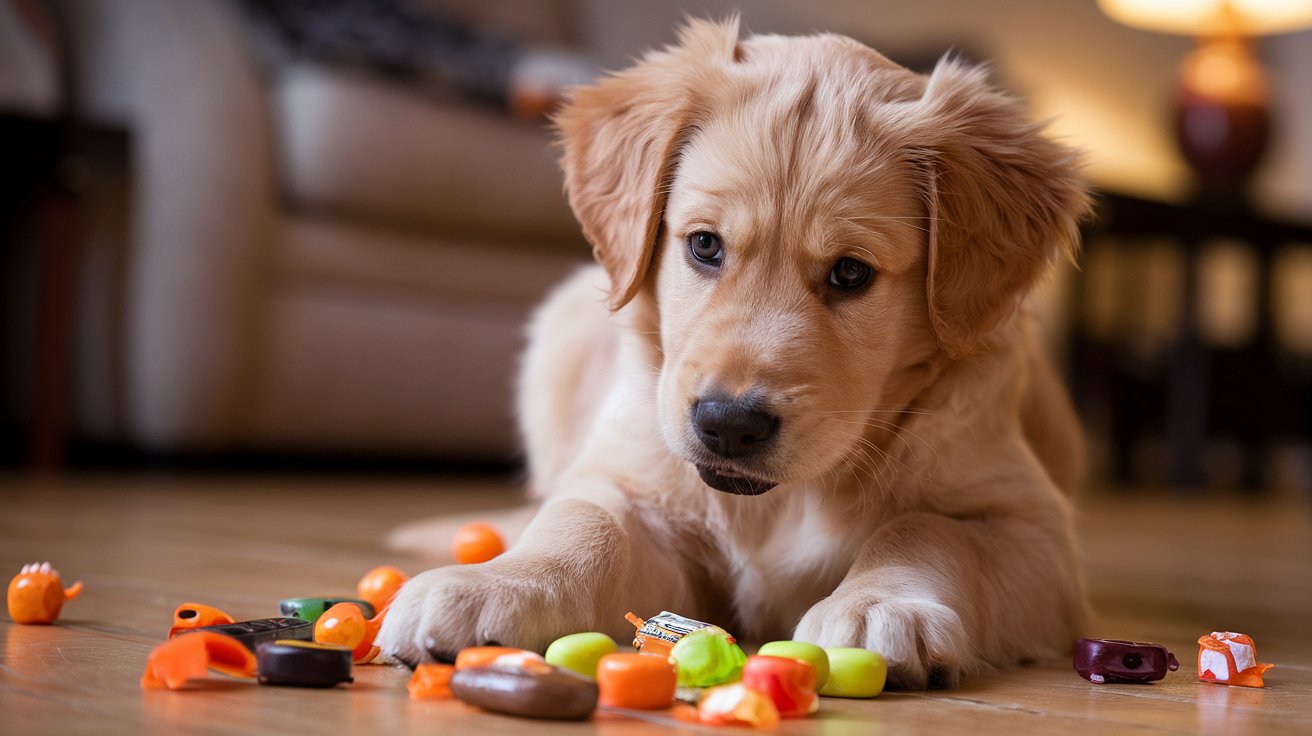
x,y
313,259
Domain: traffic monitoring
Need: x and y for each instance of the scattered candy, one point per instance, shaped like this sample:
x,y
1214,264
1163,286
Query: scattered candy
x,y
1227,658
737,705
312,607
499,656
788,683
579,653
707,657
196,616
431,682
303,663
184,658
476,542
345,625
36,594
638,681
809,653
1113,660
854,673
258,630
549,692
659,634
379,585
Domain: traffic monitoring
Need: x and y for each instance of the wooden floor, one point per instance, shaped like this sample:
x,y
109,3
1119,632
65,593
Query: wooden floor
x,y
1164,570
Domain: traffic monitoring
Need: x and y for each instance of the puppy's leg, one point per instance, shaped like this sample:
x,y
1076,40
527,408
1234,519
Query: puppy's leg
x,y
580,565
940,597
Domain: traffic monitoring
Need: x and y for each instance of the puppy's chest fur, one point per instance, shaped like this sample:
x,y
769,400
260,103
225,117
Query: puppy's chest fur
x,y
784,556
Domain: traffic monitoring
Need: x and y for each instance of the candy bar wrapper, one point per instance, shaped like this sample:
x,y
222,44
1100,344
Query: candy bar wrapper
x,y
659,634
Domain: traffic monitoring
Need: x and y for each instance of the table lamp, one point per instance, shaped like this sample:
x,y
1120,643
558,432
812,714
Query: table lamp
x,y
1222,115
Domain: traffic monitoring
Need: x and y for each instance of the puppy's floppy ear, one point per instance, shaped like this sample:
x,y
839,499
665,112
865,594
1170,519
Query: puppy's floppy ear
x,y
1004,202
621,139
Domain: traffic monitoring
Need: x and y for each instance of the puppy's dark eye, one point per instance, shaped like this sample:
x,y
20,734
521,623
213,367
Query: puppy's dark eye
x,y
849,274
706,248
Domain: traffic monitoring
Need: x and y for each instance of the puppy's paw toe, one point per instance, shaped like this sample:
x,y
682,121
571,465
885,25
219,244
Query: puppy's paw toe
x,y
924,642
442,611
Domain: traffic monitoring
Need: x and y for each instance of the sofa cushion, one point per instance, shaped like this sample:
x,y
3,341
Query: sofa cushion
x,y
358,148
334,256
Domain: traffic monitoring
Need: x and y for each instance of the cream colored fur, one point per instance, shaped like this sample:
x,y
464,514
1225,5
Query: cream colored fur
x,y
923,444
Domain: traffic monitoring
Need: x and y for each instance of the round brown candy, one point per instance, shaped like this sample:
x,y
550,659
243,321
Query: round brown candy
x,y
539,692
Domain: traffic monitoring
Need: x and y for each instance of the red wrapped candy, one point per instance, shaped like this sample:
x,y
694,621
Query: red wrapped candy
x,y
788,683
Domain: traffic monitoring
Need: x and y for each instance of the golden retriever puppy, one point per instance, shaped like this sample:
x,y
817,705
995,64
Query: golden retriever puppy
x,y
800,397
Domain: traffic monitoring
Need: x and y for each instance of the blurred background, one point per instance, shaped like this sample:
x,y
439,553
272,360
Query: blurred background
x,y
307,233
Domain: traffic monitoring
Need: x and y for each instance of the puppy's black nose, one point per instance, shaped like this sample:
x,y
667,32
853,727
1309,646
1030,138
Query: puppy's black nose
x,y
732,427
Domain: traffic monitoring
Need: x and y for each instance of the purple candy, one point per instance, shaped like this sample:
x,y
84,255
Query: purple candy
x,y
1113,660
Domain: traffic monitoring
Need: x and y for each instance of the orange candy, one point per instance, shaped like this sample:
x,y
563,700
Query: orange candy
x,y
489,656
641,681
475,542
37,595
379,585
191,656
195,616
431,682
345,625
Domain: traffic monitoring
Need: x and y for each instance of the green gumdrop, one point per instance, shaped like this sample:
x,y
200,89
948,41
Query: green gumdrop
x,y
809,653
579,653
855,673
706,658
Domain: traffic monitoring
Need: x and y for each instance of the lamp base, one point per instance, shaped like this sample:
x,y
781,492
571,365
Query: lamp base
x,y
1222,119
1222,143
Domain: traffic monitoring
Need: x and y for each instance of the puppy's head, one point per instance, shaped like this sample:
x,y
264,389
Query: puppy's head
x,y
814,230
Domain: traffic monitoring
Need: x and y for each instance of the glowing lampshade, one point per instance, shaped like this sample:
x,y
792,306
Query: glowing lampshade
x,y
1203,17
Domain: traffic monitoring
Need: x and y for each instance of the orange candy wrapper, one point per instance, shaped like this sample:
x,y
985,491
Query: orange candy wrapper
x,y
190,616
431,682
737,705
1227,658
190,657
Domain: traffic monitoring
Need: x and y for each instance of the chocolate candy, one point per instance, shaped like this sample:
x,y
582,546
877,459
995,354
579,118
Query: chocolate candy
x,y
1114,660
251,633
579,653
854,673
540,692
303,663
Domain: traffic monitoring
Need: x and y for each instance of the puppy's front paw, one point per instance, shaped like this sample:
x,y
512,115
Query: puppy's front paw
x,y
440,612
924,642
